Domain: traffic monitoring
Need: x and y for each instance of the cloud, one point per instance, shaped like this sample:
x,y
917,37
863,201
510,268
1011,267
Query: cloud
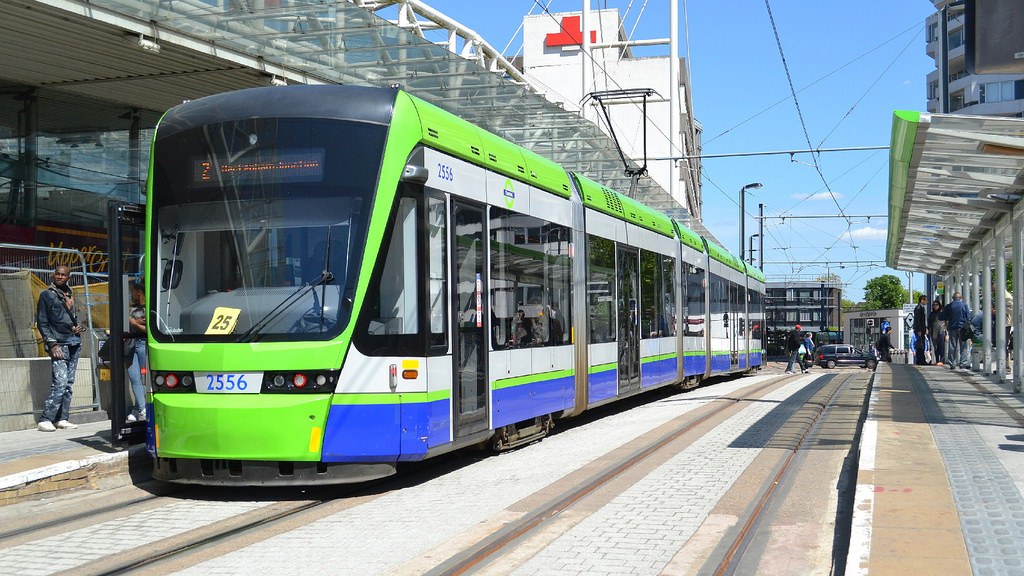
x,y
818,196
866,233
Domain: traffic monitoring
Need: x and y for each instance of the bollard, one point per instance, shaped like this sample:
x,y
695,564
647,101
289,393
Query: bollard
x,y
975,359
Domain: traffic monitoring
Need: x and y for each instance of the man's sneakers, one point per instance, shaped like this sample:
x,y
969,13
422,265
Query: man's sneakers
x,y
136,417
47,426
790,372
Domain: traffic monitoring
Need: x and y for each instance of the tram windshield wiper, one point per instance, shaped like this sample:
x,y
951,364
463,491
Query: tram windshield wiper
x,y
326,277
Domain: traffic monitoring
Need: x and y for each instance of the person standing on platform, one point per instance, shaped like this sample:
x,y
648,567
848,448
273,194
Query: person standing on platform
x,y
57,321
937,332
957,316
135,347
920,329
793,348
884,343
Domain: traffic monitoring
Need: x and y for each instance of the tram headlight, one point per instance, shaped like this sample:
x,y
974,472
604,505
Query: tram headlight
x,y
316,381
173,381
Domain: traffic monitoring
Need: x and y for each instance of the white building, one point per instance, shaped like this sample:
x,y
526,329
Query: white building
x,y
554,63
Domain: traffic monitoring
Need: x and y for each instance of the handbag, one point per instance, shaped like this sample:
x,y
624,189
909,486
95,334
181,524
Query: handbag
x,y
129,351
967,332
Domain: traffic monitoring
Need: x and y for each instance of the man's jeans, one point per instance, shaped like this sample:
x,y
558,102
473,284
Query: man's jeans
x,y
58,405
957,356
793,358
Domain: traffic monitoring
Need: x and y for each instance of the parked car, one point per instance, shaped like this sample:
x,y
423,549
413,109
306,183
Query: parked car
x,y
832,355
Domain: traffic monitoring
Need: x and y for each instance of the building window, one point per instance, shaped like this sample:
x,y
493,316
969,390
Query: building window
x,y
956,39
933,32
956,101
997,91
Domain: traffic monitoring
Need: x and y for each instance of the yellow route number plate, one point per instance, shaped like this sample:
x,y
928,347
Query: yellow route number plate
x,y
223,321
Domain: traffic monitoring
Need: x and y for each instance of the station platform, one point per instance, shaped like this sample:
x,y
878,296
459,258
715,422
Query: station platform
x,y
938,491
940,476
36,464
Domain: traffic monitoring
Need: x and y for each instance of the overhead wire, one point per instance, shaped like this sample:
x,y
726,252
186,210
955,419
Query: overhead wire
x,y
800,115
808,86
873,84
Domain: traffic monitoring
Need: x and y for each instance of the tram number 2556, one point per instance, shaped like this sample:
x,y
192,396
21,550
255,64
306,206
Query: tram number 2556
x,y
445,172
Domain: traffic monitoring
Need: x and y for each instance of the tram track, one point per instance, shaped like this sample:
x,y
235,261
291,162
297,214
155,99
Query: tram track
x,y
490,550
765,503
484,549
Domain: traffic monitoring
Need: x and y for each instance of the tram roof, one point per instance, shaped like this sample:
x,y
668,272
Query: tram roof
x,y
952,180
70,49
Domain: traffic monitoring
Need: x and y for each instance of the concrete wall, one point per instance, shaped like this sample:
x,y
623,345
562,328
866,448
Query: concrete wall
x,y
25,385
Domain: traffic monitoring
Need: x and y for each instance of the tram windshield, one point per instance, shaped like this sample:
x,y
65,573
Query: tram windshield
x,y
259,228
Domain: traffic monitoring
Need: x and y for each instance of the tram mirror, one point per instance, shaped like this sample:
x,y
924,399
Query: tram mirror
x,y
415,174
171,276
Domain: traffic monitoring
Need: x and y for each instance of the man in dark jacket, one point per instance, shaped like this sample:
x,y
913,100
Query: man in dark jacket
x,y
57,321
957,315
920,328
793,348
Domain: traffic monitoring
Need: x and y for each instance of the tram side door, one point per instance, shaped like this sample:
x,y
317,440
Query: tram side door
x,y
732,324
627,262
469,388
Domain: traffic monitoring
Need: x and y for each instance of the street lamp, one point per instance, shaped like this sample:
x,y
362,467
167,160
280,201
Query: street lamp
x,y
743,213
750,248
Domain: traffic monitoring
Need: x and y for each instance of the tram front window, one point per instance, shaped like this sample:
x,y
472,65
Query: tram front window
x,y
259,228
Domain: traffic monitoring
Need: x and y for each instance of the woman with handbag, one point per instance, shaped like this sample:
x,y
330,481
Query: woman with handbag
x,y
135,350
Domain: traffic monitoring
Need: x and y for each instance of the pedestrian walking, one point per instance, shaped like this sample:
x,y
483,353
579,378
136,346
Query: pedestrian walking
x,y
793,342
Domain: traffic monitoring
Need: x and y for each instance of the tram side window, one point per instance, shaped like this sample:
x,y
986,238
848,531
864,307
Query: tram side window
x,y
694,301
530,281
437,271
756,314
395,310
668,293
719,293
738,293
601,289
652,296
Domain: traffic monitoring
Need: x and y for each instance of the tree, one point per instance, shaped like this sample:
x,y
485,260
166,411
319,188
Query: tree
x,y
882,292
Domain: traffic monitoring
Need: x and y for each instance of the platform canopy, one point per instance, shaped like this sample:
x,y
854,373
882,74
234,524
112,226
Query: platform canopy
x,y
952,179
146,56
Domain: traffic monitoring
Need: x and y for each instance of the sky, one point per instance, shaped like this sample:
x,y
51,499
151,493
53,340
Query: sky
x,y
850,64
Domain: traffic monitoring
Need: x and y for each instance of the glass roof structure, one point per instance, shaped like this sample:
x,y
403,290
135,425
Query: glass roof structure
x,y
952,180
354,42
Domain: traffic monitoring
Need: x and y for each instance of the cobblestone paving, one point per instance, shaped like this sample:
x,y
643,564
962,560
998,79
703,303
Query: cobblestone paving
x,y
640,530
72,549
988,501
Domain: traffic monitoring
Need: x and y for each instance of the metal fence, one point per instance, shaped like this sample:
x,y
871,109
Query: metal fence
x,y
25,271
